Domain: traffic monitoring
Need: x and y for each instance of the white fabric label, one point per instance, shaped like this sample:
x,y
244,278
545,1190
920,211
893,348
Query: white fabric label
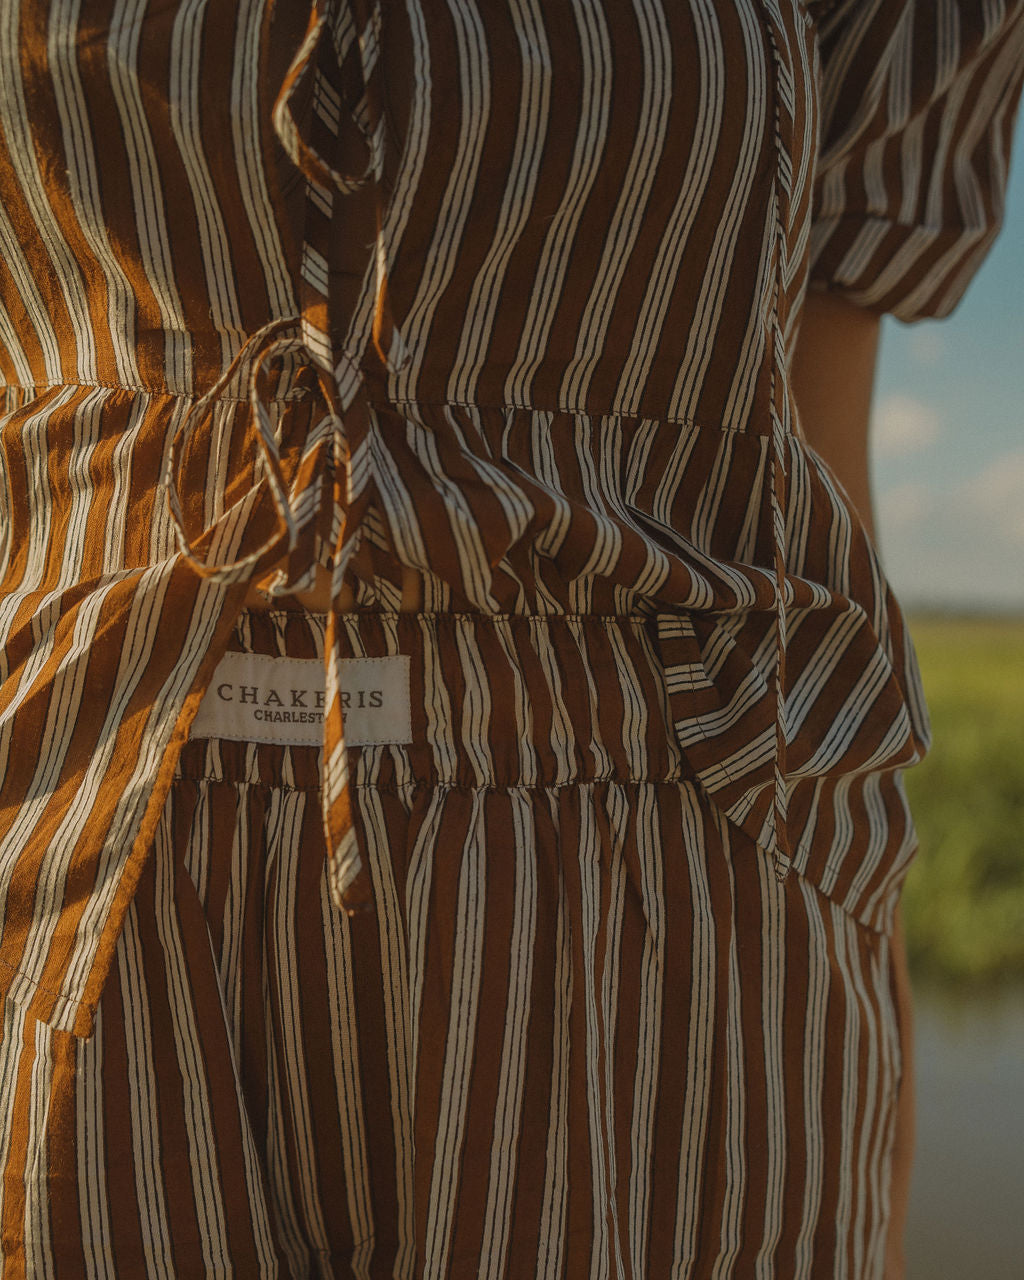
x,y
254,697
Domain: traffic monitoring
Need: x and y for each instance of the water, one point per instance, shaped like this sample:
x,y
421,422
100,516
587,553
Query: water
x,y
966,1216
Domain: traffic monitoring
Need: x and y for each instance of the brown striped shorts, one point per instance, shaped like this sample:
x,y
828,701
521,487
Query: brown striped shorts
x,y
586,1031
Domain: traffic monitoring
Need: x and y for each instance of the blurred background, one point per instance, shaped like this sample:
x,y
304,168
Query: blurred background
x,y
948,471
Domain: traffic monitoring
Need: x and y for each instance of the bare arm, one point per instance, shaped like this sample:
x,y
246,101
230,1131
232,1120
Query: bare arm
x,y
833,378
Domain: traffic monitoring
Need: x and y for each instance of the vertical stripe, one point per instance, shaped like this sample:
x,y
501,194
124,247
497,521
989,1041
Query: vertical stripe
x,y
542,271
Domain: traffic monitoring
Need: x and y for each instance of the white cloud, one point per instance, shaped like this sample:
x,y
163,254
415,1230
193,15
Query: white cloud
x,y
905,506
902,425
998,493
959,545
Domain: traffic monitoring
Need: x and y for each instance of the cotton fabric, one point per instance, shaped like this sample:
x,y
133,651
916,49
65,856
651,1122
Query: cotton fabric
x,y
507,294
558,1047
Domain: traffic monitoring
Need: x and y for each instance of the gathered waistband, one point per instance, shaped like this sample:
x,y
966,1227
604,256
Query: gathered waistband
x,y
494,700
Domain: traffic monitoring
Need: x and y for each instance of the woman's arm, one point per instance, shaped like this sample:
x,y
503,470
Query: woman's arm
x,y
833,378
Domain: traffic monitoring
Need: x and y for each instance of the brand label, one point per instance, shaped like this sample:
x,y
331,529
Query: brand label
x,y
254,697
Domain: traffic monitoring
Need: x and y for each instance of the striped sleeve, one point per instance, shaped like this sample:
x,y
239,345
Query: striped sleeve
x,y
918,103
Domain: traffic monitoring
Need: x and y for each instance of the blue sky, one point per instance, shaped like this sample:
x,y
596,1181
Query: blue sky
x,y
948,437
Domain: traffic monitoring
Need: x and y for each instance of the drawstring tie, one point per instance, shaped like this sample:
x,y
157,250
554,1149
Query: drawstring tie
x,y
336,446
230,549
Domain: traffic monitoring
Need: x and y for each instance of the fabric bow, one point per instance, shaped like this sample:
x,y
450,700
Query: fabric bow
x,y
236,545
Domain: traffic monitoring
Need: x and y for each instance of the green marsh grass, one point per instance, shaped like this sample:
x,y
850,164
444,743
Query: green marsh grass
x,y
964,897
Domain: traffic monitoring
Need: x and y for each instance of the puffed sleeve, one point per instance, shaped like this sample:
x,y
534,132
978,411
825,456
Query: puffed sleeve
x,y
918,100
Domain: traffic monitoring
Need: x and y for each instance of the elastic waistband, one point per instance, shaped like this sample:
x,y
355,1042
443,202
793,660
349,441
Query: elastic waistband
x,y
495,700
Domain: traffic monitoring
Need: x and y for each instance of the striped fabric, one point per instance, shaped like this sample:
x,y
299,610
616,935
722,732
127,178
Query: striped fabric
x,y
558,1048
507,294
